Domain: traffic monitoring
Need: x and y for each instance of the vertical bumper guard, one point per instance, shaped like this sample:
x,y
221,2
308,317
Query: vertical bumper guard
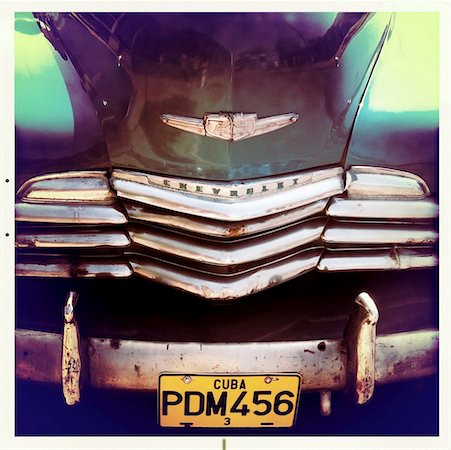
x,y
71,358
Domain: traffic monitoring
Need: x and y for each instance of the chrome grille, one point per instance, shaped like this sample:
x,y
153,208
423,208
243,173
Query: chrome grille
x,y
223,240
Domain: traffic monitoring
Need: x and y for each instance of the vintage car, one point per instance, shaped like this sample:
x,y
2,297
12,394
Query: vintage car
x,y
228,209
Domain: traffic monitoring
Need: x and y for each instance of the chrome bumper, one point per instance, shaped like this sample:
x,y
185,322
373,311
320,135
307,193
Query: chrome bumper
x,y
358,361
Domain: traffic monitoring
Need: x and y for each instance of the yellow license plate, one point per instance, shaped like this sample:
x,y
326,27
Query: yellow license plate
x,y
232,400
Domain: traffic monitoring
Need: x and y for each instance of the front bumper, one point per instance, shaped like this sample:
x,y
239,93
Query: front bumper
x,y
329,360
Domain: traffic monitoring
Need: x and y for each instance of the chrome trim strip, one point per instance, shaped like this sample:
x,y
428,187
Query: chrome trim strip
x,y
225,253
69,238
70,214
399,357
220,229
310,187
225,288
51,266
379,182
230,191
362,233
382,209
393,259
72,187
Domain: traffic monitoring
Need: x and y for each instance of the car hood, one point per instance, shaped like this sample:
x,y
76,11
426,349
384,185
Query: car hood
x,y
141,66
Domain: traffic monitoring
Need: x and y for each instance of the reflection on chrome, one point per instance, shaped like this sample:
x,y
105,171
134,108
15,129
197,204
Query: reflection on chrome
x,y
224,240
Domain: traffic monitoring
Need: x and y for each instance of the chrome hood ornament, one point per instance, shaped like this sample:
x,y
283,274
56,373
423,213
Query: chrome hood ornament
x,y
230,126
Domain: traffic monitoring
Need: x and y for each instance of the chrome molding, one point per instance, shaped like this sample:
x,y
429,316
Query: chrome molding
x,y
308,188
396,258
373,233
382,209
229,126
73,187
70,214
378,182
400,356
69,238
225,288
230,192
217,228
229,254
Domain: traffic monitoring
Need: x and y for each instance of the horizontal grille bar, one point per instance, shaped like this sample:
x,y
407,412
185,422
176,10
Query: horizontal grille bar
x,y
382,209
57,266
83,186
70,214
229,254
377,259
225,288
221,229
379,182
69,238
362,233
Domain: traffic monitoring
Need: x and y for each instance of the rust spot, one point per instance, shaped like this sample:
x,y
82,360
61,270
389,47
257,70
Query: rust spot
x,y
322,346
275,280
336,378
235,230
138,370
306,350
29,243
91,350
115,343
81,272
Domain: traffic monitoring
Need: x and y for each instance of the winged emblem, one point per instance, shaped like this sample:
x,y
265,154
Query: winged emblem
x,y
230,126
